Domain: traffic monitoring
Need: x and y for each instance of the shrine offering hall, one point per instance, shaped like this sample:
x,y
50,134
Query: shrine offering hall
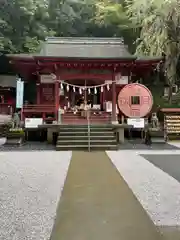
x,y
72,75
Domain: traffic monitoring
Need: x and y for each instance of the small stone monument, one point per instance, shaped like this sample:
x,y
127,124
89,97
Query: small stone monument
x,y
16,120
154,120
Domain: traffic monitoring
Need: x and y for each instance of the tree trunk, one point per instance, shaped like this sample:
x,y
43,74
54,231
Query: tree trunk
x,y
170,95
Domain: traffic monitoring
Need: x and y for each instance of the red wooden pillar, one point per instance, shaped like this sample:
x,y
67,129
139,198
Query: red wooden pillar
x,y
113,117
101,99
38,97
38,90
56,91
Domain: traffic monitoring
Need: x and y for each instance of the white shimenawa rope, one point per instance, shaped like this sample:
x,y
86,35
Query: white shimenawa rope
x,y
86,87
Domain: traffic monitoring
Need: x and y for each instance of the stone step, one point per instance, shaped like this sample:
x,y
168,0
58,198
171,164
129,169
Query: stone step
x,y
85,147
158,140
85,133
80,117
85,126
82,142
86,137
67,129
79,122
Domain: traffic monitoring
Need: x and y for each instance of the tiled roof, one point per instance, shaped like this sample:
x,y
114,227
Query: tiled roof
x,y
85,48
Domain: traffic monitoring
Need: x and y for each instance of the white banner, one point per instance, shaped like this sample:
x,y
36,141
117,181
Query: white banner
x,y
19,93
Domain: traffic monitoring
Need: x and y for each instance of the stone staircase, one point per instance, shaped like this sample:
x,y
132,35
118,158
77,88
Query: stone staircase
x,y
70,137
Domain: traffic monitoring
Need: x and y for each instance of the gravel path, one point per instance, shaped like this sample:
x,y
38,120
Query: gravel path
x,y
30,187
158,192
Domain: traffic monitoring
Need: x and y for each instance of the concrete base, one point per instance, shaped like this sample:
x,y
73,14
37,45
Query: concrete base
x,y
119,129
50,132
120,135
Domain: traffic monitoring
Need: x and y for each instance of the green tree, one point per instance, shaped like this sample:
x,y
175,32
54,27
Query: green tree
x,y
160,34
157,25
23,24
74,18
113,15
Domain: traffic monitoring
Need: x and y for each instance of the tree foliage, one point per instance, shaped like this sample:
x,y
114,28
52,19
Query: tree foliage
x,y
159,22
153,25
157,26
114,16
22,24
25,23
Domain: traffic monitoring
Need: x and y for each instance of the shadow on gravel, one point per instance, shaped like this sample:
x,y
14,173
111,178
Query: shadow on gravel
x,y
129,145
169,163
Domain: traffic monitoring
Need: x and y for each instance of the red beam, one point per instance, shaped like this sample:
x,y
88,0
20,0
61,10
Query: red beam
x,y
86,76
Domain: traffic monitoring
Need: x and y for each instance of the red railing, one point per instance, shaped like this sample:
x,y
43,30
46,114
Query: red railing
x,y
38,108
41,110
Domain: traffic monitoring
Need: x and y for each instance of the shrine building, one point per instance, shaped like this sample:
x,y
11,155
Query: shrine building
x,y
70,71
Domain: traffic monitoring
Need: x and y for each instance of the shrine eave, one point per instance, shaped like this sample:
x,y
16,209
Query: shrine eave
x,y
35,58
141,60
32,58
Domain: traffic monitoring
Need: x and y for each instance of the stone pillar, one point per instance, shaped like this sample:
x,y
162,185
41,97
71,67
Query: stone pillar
x,y
50,135
113,119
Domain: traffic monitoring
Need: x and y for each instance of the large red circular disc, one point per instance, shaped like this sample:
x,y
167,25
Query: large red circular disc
x,y
139,108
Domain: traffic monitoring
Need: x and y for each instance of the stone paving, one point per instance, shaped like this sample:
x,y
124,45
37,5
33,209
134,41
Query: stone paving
x,y
97,204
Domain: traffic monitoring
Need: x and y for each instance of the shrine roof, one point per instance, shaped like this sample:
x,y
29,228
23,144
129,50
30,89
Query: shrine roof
x,y
100,48
80,48
83,49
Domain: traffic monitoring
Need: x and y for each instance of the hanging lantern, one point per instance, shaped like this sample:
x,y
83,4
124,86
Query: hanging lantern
x,y
74,89
101,88
67,88
95,90
108,87
89,91
61,86
80,91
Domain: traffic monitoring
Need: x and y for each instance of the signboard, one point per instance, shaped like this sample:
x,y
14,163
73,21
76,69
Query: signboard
x,y
48,78
108,107
135,100
120,80
33,122
19,93
47,93
136,122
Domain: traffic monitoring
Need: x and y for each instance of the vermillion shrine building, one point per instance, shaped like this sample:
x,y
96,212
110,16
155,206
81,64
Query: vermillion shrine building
x,y
70,74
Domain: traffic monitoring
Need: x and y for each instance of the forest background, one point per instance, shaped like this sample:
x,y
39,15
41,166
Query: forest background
x,y
149,27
